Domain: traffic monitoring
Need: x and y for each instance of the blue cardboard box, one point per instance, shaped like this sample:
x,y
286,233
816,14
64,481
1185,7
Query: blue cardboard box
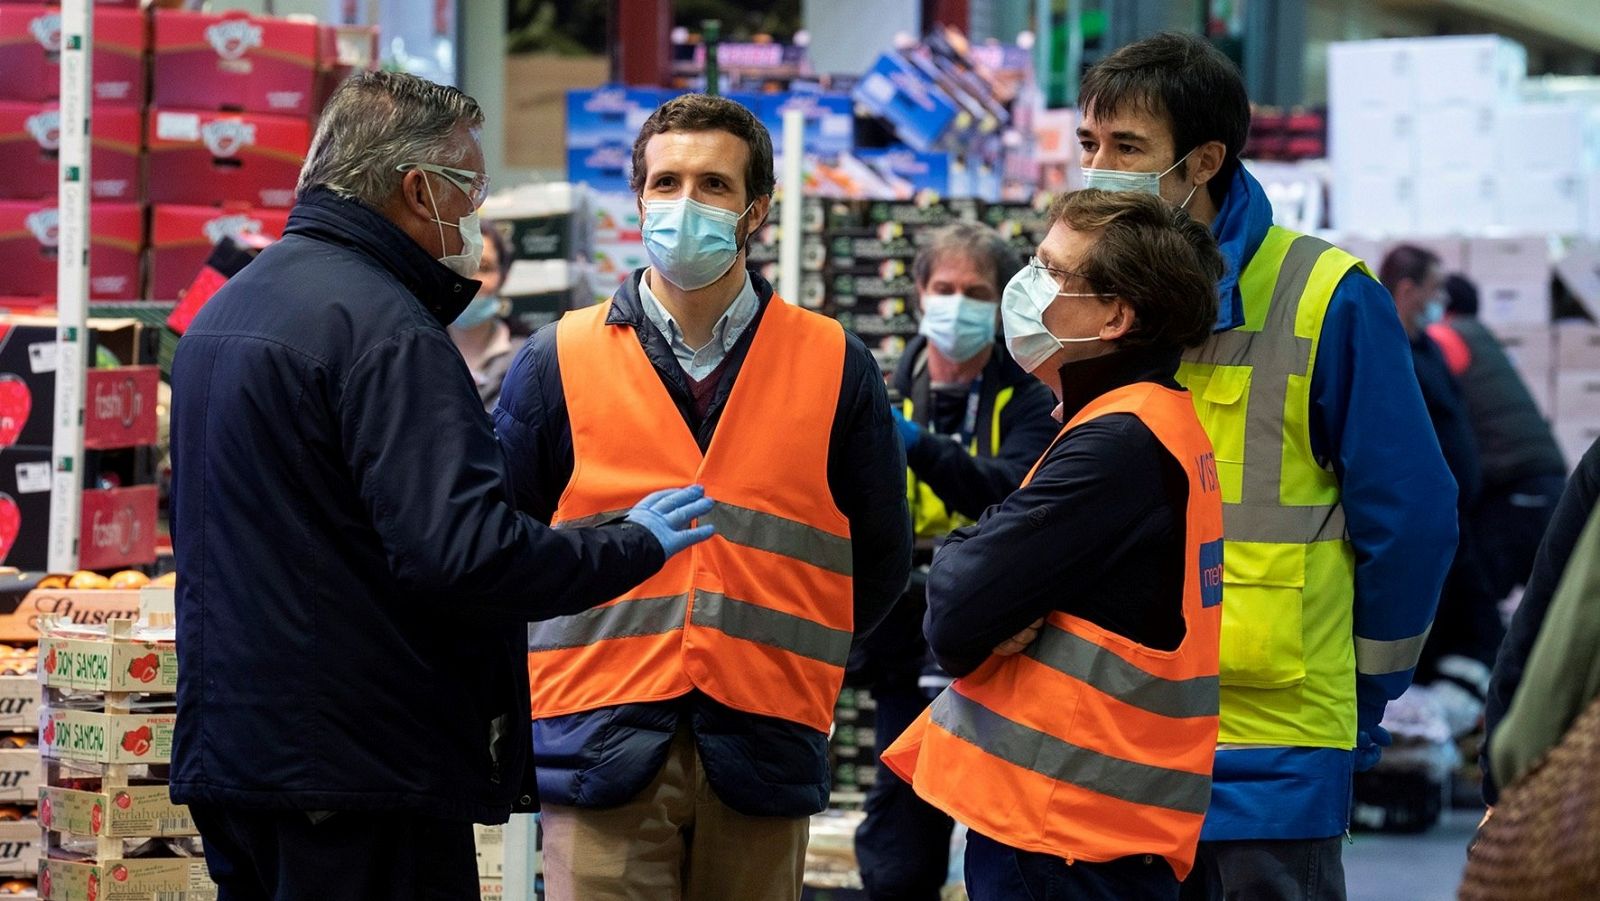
x,y
830,121
604,167
923,171
612,113
919,111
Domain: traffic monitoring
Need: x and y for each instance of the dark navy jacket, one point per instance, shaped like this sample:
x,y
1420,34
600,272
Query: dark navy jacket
x,y
759,766
356,583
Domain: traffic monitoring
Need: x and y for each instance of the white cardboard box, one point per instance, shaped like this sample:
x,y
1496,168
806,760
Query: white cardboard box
x,y
1575,436
1454,202
1577,395
1500,259
1369,140
1577,345
1549,202
1532,348
1467,69
1374,74
1375,204
1564,134
1457,137
1514,301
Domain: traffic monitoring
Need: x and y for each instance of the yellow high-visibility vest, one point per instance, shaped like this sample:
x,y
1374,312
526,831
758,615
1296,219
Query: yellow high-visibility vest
x,y
1289,656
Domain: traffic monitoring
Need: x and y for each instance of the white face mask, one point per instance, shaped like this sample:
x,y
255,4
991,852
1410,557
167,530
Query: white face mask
x,y
959,326
465,263
1029,293
1140,182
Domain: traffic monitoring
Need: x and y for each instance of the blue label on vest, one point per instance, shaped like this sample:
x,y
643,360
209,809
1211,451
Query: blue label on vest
x,y
1211,573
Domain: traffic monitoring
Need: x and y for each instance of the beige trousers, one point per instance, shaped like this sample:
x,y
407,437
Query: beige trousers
x,y
676,841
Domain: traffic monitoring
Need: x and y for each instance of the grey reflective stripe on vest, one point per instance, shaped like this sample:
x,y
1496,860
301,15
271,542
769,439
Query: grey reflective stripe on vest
x,y
1086,661
587,521
1379,658
626,619
1062,761
775,628
762,531
1273,354
766,532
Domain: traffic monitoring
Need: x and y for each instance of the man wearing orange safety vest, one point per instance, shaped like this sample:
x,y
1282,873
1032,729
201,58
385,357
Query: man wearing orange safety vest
x,y
680,732
1079,749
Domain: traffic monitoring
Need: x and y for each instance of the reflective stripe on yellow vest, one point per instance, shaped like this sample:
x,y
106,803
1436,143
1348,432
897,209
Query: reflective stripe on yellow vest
x,y
929,516
1288,660
1088,746
760,617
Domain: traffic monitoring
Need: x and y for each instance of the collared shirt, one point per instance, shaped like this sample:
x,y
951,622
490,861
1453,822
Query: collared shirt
x,y
699,363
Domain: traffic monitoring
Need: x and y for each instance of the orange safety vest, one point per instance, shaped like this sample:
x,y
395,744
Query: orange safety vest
x,y
1089,746
761,616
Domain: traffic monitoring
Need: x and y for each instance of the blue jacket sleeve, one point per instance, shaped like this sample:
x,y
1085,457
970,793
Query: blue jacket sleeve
x,y
1369,421
969,485
866,473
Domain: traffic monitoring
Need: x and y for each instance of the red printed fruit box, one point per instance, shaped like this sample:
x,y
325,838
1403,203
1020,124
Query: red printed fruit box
x,y
30,54
181,237
29,232
119,527
235,61
30,141
120,407
209,158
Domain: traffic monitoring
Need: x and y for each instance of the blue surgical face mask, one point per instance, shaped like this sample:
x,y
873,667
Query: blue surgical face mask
x,y
959,326
1022,307
1140,182
483,308
691,244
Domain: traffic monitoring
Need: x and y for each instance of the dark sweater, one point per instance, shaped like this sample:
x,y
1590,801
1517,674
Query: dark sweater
x,y
1098,533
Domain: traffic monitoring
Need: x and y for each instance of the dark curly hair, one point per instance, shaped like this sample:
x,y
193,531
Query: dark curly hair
x,y
1152,255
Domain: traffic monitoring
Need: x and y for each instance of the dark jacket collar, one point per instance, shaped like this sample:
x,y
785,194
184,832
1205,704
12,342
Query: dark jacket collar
x,y
323,215
1085,380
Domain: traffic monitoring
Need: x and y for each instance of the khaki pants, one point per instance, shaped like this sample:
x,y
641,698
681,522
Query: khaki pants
x,y
676,841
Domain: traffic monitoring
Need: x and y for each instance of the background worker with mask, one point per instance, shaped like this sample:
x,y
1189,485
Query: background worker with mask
x,y
1339,511
681,732
972,423
481,332
1082,765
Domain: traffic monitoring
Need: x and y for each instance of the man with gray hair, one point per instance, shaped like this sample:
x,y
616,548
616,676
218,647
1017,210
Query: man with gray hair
x,y
355,584
972,423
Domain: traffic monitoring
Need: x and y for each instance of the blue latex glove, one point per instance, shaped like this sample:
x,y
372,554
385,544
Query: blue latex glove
x,y
1370,743
667,514
910,432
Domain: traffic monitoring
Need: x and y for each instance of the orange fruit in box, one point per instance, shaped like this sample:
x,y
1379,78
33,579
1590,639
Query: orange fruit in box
x,y
84,580
169,580
52,583
129,580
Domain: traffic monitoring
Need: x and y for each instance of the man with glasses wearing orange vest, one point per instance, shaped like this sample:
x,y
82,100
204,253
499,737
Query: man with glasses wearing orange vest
x,y
681,731
1081,616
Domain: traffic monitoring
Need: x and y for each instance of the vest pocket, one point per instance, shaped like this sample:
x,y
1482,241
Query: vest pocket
x,y
1222,403
1262,610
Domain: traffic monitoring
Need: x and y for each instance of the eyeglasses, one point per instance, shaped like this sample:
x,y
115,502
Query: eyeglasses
x,y
1060,276
473,184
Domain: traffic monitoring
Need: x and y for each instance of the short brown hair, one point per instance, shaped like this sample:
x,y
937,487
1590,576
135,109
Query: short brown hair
x,y
978,243
702,112
1151,254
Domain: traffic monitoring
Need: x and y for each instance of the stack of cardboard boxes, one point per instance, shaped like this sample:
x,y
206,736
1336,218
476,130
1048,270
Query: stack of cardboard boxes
x,y
110,830
120,431
199,126
1434,136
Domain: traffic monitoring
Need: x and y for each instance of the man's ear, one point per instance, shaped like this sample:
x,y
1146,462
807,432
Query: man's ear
x,y
414,195
1120,322
1206,162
